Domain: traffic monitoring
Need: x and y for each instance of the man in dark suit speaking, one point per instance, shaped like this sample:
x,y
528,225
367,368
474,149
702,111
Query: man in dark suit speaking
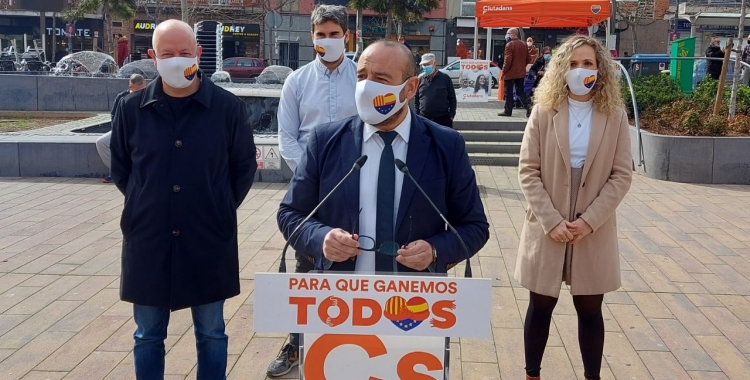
x,y
378,221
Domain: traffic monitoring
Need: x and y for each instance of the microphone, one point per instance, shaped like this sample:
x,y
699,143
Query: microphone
x,y
404,169
357,165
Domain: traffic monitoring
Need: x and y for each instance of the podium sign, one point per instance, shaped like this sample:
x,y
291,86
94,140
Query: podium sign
x,y
372,304
372,326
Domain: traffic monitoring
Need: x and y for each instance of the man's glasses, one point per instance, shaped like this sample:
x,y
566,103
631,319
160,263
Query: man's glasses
x,y
367,243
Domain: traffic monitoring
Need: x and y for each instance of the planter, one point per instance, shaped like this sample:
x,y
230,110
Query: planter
x,y
710,160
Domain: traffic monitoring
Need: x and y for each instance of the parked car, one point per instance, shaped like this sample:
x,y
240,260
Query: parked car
x,y
453,69
243,67
350,55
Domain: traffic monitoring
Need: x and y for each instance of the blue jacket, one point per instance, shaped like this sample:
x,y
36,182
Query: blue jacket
x,y
437,159
183,178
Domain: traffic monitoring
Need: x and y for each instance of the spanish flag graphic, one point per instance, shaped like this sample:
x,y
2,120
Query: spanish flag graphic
x,y
320,50
589,81
189,73
404,314
384,103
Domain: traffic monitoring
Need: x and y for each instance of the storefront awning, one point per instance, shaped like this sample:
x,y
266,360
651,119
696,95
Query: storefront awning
x,y
718,19
541,13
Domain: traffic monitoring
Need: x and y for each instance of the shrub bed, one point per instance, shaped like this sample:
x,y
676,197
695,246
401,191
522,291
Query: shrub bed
x,y
665,110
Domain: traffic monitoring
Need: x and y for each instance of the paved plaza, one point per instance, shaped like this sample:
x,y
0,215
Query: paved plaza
x,y
683,311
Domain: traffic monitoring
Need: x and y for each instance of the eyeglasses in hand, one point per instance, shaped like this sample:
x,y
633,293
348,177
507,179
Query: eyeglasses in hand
x,y
367,243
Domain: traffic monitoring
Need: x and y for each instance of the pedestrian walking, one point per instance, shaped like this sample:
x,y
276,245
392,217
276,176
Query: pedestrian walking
x,y
575,168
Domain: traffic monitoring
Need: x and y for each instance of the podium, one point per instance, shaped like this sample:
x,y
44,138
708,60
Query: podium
x,y
372,326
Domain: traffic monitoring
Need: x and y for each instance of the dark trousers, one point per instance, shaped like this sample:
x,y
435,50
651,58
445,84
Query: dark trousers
x,y
303,266
510,84
590,332
442,120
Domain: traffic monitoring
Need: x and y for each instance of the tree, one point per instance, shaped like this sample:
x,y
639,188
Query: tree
x,y
121,9
402,11
635,14
359,6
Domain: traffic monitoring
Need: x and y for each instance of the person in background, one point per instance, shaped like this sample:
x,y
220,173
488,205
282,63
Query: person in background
x,y
539,66
746,58
532,50
184,157
436,97
481,84
319,92
135,83
514,72
402,40
713,67
575,168
626,60
123,49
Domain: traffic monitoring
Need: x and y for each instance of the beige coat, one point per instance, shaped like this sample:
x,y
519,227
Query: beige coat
x,y
544,176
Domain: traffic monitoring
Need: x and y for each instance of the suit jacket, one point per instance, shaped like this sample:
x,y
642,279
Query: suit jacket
x,y
544,175
516,55
437,159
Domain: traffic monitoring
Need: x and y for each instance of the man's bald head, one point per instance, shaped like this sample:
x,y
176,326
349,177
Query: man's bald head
x,y
513,32
396,51
174,38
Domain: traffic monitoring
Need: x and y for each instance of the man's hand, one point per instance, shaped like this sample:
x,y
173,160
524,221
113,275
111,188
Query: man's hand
x,y
339,245
580,229
416,255
561,233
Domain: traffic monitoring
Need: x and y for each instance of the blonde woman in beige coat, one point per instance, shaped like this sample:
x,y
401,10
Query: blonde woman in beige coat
x,y
575,168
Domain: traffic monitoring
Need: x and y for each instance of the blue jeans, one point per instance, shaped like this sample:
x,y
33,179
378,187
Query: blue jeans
x,y
210,341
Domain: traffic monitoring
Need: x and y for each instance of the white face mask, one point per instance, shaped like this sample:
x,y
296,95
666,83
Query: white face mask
x,y
529,43
330,49
177,72
581,81
376,101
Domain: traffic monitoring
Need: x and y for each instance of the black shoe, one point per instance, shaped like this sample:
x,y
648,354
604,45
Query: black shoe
x,y
288,358
504,114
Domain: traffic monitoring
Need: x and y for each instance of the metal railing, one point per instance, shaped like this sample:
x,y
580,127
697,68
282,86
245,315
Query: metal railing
x,y
629,81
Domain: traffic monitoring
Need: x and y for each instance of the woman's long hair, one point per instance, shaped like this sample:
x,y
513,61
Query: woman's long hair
x,y
478,86
553,90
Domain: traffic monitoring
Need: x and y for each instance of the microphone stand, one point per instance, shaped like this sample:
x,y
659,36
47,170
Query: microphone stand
x,y
357,165
404,169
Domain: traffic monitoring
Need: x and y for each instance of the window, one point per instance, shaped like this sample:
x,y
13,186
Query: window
x,y
256,63
244,62
228,63
467,8
290,6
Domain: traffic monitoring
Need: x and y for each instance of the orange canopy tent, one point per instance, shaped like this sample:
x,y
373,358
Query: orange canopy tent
x,y
541,13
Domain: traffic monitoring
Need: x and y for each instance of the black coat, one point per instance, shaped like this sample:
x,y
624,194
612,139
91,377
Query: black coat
x,y
183,181
714,66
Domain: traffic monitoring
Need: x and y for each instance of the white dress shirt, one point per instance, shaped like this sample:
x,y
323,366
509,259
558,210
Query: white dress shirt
x,y
312,96
580,112
372,146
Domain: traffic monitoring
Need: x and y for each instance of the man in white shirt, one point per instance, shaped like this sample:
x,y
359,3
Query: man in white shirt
x,y
320,92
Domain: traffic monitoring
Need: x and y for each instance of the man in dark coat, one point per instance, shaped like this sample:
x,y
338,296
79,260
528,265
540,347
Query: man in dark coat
x,y
514,71
185,159
713,67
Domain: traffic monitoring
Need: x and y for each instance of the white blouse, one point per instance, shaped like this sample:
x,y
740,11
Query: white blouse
x,y
579,130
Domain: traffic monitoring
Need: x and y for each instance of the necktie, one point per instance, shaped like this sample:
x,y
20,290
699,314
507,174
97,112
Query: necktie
x,y
386,192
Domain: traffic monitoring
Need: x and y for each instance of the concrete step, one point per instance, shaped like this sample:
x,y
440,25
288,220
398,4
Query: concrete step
x,y
494,159
493,147
509,124
492,136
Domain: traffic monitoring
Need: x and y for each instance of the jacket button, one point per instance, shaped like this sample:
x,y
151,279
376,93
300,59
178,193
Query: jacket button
x,y
175,232
178,144
176,188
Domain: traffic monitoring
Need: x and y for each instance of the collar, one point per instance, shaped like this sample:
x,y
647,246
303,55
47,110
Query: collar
x,y
403,129
154,92
320,66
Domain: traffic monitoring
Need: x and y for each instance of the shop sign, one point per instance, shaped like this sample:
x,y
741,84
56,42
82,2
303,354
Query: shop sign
x,y
242,30
78,32
149,26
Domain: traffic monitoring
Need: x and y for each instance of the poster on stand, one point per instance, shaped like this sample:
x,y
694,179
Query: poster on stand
x,y
474,81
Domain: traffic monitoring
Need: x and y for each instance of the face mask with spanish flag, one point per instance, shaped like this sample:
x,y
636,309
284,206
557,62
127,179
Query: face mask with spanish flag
x,y
581,81
177,72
